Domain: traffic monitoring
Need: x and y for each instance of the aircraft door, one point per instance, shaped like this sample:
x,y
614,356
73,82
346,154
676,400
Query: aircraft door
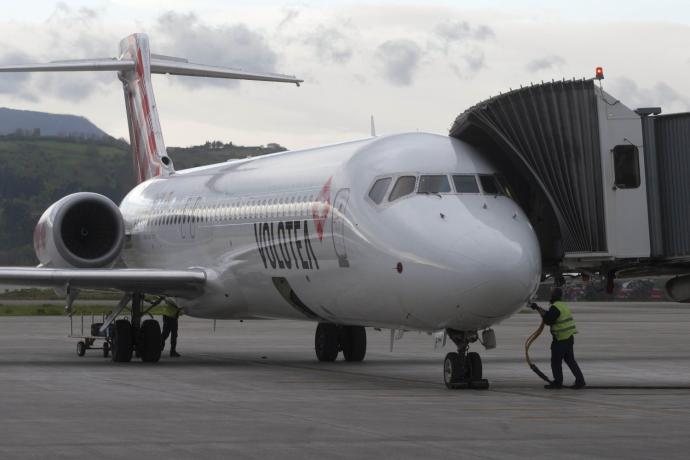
x,y
338,226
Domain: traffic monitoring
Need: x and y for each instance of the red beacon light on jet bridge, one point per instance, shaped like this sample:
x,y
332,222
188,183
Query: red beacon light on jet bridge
x,y
599,73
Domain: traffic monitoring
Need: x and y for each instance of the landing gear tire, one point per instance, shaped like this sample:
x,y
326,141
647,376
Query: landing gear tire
x,y
122,341
81,348
463,369
326,342
106,349
453,370
474,366
149,343
353,341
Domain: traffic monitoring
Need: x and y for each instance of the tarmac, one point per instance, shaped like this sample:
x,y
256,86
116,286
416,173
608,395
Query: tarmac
x,y
254,389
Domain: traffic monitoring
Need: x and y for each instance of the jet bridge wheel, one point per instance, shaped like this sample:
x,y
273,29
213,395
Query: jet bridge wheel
x,y
149,343
353,342
326,342
122,341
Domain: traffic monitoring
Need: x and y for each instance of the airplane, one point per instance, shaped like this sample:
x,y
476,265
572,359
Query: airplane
x,y
411,231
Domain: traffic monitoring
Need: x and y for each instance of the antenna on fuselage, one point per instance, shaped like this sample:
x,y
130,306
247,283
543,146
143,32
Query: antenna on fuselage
x,y
373,127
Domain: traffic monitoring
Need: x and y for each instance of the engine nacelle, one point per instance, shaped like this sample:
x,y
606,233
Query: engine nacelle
x,y
82,230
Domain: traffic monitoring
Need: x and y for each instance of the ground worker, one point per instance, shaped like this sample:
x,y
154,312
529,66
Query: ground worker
x,y
563,330
170,315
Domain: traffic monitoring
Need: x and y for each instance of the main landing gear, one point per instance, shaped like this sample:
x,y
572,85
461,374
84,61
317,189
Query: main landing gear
x,y
135,336
330,339
463,369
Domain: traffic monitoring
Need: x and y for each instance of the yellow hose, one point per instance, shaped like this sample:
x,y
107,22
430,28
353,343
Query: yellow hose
x,y
535,335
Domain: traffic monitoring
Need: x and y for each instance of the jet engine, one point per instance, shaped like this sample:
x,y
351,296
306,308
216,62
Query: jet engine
x,y
82,230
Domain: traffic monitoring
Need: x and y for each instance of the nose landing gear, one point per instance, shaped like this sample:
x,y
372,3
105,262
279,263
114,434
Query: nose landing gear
x,y
463,369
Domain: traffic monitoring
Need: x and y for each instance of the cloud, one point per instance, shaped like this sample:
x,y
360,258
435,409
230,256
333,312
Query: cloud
x,y
73,34
462,30
330,44
400,59
455,32
290,15
660,95
236,46
469,64
16,84
545,63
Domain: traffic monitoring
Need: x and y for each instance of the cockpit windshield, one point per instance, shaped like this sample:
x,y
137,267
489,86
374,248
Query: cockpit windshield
x,y
465,183
490,185
378,190
436,183
403,186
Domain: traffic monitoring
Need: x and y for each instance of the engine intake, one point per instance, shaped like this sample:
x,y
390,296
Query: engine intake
x,y
82,230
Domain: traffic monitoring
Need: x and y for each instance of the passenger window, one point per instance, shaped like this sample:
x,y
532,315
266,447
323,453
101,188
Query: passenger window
x,y
434,184
378,190
403,186
626,166
490,185
465,183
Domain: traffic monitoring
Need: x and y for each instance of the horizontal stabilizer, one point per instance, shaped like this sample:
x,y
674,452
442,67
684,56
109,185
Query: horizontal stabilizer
x,y
159,64
70,66
183,283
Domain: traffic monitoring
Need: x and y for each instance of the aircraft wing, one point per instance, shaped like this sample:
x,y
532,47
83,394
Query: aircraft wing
x,y
183,283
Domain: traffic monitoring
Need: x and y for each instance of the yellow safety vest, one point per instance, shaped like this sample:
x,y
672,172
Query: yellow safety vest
x,y
169,311
564,327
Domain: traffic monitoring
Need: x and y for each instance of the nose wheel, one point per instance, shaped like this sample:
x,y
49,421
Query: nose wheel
x,y
463,369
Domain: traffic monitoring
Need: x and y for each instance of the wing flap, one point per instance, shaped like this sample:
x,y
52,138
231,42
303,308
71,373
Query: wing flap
x,y
183,283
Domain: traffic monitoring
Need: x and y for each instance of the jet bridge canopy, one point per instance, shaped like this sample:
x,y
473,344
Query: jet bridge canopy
x,y
602,184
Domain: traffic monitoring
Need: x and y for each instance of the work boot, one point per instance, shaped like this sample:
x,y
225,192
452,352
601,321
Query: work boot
x,y
553,386
174,354
578,385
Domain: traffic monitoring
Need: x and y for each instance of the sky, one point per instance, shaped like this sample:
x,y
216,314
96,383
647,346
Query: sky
x,y
412,65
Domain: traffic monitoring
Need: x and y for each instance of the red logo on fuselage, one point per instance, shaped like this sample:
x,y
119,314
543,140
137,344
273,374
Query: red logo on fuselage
x,y
322,208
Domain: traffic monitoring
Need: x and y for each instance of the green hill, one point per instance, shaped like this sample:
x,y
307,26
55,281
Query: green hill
x,y
36,172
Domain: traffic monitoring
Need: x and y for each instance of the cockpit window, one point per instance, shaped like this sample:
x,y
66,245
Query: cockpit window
x,y
378,190
490,185
465,183
503,182
434,184
403,186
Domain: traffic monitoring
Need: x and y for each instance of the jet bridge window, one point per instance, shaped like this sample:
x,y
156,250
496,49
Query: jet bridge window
x,y
626,166
465,183
490,185
403,186
378,190
436,183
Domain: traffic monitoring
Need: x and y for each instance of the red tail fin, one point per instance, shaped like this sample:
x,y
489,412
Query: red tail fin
x,y
150,156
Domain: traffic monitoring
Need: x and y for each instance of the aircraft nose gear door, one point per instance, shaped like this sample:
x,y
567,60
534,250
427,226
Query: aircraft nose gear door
x,y
338,226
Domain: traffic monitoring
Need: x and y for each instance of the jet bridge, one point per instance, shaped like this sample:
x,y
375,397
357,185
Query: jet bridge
x,y
605,187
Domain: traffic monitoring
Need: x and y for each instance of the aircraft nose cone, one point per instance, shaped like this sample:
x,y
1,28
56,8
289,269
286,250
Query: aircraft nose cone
x,y
506,269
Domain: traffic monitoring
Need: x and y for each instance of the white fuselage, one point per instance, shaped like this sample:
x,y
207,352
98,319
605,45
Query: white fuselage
x,y
296,235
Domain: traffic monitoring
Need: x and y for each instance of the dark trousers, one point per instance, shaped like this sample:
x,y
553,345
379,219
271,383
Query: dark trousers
x,y
563,351
169,329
